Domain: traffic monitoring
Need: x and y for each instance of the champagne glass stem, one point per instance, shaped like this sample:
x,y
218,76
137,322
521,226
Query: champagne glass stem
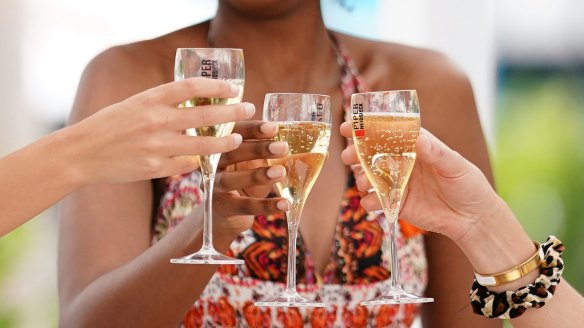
x,y
393,226
290,296
292,235
208,182
207,253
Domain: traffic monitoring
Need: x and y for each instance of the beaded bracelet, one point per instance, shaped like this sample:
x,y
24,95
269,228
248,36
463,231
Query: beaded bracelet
x,y
511,304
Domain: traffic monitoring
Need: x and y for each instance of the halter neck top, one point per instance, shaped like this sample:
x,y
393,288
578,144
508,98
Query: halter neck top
x,y
358,269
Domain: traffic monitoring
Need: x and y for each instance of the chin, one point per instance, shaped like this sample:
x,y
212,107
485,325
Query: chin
x,y
265,8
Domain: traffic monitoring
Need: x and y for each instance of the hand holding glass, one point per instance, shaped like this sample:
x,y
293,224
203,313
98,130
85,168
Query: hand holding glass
x,y
385,128
304,122
213,63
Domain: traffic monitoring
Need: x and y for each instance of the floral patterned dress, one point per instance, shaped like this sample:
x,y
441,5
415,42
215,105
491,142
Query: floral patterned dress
x,y
357,271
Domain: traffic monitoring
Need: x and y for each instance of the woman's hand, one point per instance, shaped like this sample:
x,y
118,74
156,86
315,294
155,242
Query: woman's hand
x,y
445,194
142,137
247,158
233,208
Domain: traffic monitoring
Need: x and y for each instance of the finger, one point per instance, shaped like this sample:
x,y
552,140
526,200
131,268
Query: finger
x,y
357,168
236,180
370,202
363,183
254,150
176,166
174,93
256,129
228,204
346,130
184,145
349,155
194,117
446,162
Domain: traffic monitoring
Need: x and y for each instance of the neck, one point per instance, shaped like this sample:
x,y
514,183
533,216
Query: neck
x,y
300,28
296,40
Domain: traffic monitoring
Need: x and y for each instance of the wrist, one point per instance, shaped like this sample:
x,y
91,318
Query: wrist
x,y
513,300
497,241
65,151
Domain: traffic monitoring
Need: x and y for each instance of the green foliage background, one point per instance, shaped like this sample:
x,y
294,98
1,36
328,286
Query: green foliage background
x,y
538,156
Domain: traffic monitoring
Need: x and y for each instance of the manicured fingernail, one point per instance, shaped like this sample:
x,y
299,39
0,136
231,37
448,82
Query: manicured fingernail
x,y
278,147
249,109
269,128
283,205
237,139
276,172
234,89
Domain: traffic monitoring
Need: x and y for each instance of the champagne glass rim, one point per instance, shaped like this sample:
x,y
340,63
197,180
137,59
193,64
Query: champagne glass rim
x,y
386,91
295,94
229,49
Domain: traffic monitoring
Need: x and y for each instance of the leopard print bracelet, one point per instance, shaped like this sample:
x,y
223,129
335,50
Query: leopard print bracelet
x,y
511,304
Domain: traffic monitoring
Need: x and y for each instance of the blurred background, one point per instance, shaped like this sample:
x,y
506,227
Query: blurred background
x,y
525,59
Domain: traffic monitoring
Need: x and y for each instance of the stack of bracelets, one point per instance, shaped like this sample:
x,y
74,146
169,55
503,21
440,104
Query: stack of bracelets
x,y
511,304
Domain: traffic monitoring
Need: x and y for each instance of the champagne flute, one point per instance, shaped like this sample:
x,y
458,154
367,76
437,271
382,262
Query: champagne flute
x,y
213,63
386,125
304,122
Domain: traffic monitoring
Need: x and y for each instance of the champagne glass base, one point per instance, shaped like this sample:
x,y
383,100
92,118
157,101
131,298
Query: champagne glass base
x,y
397,296
289,299
207,256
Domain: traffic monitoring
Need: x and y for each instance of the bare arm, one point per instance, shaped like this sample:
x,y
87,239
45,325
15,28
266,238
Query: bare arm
x,y
112,146
34,178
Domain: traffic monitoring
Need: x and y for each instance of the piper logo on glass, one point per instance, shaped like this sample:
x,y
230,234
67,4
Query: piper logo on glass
x,y
210,68
357,117
317,116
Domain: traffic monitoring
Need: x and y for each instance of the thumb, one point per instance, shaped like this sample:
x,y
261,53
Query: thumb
x,y
432,151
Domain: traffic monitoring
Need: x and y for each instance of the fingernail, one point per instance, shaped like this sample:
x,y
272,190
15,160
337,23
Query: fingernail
x,y
234,89
283,205
237,139
269,128
278,147
276,172
249,109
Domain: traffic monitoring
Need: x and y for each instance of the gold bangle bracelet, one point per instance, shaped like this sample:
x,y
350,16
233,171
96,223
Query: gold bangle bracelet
x,y
521,270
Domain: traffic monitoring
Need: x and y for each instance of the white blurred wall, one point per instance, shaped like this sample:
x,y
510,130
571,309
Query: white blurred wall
x,y
12,118
540,32
45,44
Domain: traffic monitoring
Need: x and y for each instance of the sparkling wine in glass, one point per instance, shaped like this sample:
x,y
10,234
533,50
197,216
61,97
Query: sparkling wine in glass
x,y
304,122
213,63
386,125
